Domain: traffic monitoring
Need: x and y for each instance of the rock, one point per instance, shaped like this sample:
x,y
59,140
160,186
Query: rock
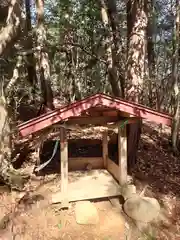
x,y
86,213
128,191
142,209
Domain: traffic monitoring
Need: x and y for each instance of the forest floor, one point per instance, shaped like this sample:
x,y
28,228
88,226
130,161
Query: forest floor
x,y
33,217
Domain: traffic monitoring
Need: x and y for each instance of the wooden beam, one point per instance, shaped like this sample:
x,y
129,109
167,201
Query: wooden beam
x,y
64,168
110,113
91,120
122,154
105,147
84,142
113,168
95,112
101,127
80,163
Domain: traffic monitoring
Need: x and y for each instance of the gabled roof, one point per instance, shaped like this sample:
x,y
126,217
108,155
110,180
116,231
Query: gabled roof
x,y
76,108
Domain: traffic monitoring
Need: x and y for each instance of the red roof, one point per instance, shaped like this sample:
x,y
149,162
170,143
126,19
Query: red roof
x,y
76,108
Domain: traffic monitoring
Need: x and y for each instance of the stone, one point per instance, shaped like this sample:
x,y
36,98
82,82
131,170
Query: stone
x,y
86,213
128,191
142,209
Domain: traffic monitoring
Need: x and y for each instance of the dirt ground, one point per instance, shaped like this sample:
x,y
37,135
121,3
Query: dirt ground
x,y
33,217
37,219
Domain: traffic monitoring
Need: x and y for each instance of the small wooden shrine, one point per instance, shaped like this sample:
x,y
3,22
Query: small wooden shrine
x,y
102,114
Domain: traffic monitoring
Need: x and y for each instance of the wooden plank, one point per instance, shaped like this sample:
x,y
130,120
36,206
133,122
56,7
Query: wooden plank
x,y
64,168
100,109
75,109
111,113
90,185
81,163
101,127
105,147
113,169
92,120
84,142
125,114
122,154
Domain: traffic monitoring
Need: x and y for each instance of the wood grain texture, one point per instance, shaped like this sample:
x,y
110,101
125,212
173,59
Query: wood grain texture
x,y
93,184
80,163
105,147
113,169
64,167
122,154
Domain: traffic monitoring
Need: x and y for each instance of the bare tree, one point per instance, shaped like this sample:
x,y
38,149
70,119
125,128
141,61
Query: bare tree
x,y
12,26
8,34
150,49
32,78
136,37
175,78
117,46
108,42
43,58
136,54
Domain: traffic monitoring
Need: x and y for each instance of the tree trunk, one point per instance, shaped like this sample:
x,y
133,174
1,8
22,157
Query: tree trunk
x,y
44,68
9,33
175,77
8,174
136,36
137,24
111,68
150,50
117,53
32,78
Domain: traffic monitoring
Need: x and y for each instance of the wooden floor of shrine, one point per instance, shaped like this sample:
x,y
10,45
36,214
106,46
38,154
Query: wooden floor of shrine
x,y
93,184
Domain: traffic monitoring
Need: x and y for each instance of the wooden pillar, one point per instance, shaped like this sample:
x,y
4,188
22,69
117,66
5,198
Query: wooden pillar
x,y
38,151
64,168
105,147
122,154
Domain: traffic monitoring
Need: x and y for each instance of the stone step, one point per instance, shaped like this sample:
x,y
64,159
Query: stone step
x,y
86,213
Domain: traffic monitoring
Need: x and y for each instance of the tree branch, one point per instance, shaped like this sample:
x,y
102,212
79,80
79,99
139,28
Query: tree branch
x,y
15,75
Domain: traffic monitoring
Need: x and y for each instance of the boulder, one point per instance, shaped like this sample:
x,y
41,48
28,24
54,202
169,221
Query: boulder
x,y
128,191
142,209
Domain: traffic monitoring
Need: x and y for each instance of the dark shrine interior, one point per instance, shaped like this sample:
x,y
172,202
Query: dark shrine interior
x,y
76,148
